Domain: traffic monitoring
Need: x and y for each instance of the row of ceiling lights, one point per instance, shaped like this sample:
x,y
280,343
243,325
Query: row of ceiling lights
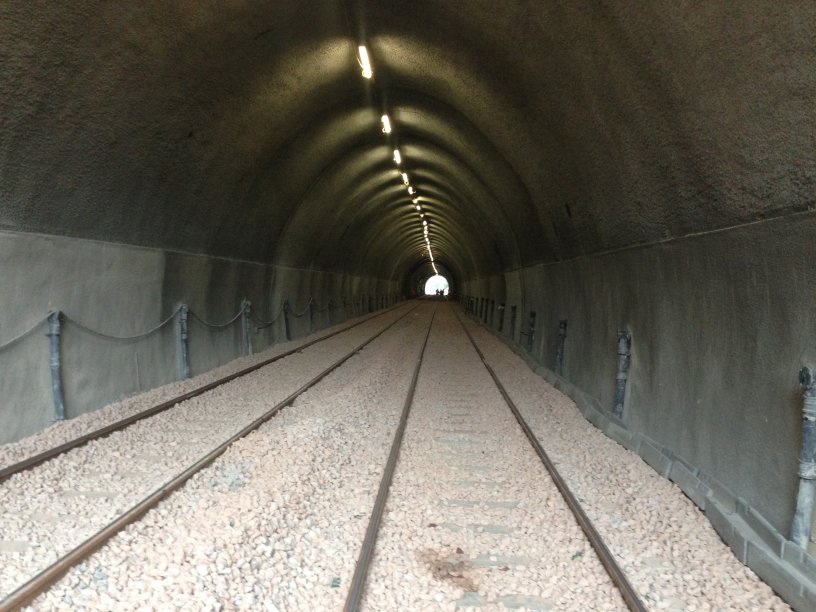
x,y
368,72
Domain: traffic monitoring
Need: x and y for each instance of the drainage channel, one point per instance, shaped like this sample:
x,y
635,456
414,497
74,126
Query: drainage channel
x,y
47,577
42,457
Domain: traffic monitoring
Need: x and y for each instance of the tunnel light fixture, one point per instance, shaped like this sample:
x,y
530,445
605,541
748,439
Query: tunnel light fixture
x,y
421,215
415,200
405,178
424,223
418,207
411,190
386,124
365,62
397,157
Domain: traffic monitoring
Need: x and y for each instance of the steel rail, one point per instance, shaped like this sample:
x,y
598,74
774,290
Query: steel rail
x,y
29,591
40,458
358,580
614,570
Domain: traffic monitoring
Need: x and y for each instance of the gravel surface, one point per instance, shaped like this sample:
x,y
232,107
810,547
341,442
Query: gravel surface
x,y
64,431
667,547
51,509
473,520
276,522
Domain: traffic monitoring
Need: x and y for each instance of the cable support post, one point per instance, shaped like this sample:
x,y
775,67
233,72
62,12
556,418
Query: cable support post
x,y
246,312
559,354
183,342
286,331
802,524
54,335
624,360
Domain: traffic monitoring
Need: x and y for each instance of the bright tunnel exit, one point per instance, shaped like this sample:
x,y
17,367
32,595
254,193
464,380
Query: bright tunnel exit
x,y
435,284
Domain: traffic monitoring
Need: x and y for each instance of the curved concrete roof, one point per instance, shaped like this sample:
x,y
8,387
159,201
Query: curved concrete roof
x,y
533,131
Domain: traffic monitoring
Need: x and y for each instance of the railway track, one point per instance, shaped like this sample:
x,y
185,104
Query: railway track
x,y
40,458
454,567
470,520
195,455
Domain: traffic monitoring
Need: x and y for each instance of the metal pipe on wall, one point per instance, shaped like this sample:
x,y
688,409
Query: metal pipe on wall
x,y
287,333
624,352
531,334
184,351
803,516
246,315
54,336
559,354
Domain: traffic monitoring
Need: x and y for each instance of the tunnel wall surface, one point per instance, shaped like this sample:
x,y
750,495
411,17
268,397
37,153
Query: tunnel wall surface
x,y
123,291
721,323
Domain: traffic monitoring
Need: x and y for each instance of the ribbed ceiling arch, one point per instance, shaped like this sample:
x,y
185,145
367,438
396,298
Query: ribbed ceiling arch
x,y
535,131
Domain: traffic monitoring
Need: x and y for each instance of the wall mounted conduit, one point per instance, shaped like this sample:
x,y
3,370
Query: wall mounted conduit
x,y
54,336
559,354
624,353
803,516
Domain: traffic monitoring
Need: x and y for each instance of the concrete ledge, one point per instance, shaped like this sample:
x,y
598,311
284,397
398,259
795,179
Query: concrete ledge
x,y
596,417
623,436
795,588
719,493
688,482
786,568
652,455
723,522
798,558
765,531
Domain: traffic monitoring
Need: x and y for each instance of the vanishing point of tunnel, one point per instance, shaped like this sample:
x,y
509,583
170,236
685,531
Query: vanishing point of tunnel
x,y
622,193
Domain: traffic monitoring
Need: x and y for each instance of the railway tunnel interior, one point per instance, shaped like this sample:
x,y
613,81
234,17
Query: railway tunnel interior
x,y
646,168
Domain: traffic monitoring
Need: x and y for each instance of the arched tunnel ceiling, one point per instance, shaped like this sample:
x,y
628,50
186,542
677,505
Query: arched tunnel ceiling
x,y
534,131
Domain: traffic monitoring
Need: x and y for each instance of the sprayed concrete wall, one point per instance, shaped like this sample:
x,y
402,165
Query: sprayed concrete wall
x,y
123,291
721,324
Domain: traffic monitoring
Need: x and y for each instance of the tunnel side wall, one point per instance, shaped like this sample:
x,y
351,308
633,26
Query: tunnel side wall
x,y
721,323
123,291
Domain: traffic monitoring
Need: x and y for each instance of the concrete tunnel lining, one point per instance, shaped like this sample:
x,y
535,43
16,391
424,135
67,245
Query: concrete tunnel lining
x,y
648,167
